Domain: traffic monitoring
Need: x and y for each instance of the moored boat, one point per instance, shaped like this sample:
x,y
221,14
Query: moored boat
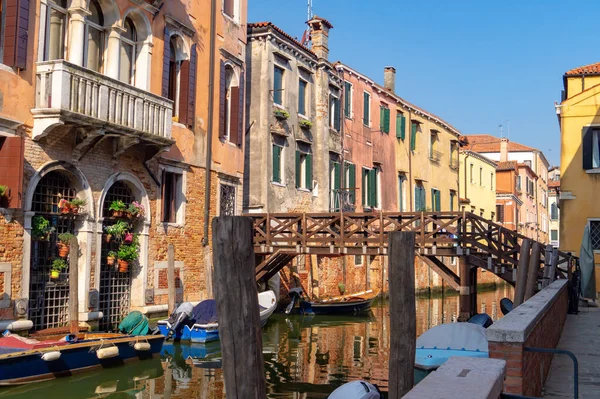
x,y
436,345
199,323
345,304
26,360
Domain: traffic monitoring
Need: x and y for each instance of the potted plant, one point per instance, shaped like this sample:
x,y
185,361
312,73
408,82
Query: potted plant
x,y
64,244
305,124
135,210
76,204
116,230
127,253
111,257
3,196
281,114
64,206
40,228
58,265
117,208
342,288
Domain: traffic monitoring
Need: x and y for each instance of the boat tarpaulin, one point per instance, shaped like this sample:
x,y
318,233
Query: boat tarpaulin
x,y
456,336
586,264
205,312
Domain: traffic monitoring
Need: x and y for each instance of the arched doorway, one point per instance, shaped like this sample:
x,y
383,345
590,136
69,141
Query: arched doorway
x,y
49,297
115,286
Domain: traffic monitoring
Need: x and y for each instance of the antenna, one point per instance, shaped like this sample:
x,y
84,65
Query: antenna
x,y
306,35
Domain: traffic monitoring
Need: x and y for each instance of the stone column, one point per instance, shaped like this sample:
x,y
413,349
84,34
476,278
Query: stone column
x,y
113,52
77,35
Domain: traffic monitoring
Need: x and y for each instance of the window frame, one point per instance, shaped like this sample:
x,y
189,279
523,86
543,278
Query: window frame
x,y
235,5
180,201
304,112
278,92
367,99
87,25
348,95
589,222
303,157
134,49
334,108
45,15
228,183
281,162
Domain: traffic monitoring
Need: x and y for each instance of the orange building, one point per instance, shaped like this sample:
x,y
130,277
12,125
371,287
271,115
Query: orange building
x,y
104,101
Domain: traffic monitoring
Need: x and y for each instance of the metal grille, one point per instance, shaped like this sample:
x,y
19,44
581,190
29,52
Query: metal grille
x,y
227,200
115,287
49,299
595,233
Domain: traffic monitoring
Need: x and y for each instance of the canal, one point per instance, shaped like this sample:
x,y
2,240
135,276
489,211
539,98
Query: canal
x,y
305,357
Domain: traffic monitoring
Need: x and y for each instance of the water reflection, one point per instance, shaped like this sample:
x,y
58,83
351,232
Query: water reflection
x,y
305,357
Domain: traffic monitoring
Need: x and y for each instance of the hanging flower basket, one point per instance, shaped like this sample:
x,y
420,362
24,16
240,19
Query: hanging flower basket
x,y
118,214
123,266
117,209
111,258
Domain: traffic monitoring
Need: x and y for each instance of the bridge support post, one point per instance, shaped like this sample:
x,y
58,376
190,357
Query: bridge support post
x,y
465,309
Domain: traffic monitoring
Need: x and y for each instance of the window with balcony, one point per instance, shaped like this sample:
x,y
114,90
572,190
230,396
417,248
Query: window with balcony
x,y
454,160
54,29
94,28
434,154
128,52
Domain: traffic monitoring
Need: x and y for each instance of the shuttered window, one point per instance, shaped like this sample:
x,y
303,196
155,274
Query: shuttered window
x,y
401,194
367,109
370,198
436,205
500,213
348,99
302,96
351,181
420,198
413,135
15,31
277,151
278,86
304,170
334,112
554,235
384,119
400,126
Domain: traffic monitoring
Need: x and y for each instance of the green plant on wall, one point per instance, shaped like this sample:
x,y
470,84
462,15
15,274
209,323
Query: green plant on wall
x,y
281,114
305,124
58,265
40,228
117,206
3,190
65,238
128,252
118,229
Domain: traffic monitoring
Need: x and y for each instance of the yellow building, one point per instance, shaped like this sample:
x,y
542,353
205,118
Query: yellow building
x,y
579,117
477,184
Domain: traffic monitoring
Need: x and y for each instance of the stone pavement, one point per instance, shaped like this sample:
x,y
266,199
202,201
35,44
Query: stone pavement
x,y
581,335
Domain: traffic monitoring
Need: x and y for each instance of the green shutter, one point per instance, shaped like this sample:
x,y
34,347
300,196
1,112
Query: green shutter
x,y
336,176
417,199
352,182
366,111
276,163
386,120
372,188
347,98
277,86
402,127
438,201
413,136
401,179
336,114
302,97
298,170
308,171
365,173
381,118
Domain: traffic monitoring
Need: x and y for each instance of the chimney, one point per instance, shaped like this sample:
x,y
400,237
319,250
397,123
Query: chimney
x,y
319,34
389,79
503,150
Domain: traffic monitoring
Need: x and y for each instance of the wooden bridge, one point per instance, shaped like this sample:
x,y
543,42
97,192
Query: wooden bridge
x,y
477,242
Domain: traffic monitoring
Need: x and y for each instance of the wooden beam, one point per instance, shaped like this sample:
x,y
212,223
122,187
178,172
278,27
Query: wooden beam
x,y
440,268
74,286
532,274
522,272
403,324
237,306
171,277
464,312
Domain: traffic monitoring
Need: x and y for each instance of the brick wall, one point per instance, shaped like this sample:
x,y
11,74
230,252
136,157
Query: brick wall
x,y
526,372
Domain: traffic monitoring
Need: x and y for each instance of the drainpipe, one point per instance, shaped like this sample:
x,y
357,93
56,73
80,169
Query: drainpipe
x,y
209,131
466,191
412,189
342,121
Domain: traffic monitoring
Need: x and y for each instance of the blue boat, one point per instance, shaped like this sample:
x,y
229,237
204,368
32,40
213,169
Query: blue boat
x,y
436,345
24,361
198,324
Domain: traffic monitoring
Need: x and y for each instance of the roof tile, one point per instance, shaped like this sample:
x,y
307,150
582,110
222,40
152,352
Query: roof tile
x,y
487,143
266,24
586,69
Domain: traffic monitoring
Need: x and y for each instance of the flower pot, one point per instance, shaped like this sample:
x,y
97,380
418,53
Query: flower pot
x,y
110,260
63,250
117,214
75,210
123,266
54,274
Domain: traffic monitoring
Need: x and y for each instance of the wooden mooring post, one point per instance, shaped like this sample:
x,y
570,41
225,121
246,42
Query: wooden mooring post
x,y
237,306
465,304
74,286
532,273
171,277
522,269
403,324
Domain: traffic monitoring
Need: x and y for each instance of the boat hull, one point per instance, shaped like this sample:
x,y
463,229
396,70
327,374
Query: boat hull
x,y
336,307
194,334
28,366
431,359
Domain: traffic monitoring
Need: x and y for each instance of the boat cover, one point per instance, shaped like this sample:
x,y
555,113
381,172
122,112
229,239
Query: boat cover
x,y
586,263
205,312
135,323
12,341
458,336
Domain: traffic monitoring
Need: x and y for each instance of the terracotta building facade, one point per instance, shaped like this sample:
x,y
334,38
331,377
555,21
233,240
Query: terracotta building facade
x,y
105,105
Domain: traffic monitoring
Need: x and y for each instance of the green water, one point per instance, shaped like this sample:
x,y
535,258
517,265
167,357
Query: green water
x,y
305,357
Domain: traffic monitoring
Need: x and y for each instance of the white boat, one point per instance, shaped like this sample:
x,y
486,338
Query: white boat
x,y
267,303
439,343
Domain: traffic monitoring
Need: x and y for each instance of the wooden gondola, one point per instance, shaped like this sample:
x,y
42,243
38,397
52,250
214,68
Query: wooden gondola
x,y
345,304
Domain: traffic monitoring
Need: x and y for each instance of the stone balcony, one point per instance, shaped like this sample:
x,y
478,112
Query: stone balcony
x,y
67,94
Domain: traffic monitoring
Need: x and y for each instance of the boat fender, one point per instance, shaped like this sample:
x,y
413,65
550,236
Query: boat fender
x,y
141,346
51,356
107,353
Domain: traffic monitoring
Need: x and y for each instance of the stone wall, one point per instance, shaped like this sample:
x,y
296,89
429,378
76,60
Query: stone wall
x,y
537,323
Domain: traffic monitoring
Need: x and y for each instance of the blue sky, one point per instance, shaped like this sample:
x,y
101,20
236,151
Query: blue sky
x,y
474,63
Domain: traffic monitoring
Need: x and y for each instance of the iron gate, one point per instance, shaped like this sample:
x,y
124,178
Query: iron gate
x,y
49,299
115,287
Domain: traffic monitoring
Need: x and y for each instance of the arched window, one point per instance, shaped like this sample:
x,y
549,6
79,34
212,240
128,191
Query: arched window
x,y
128,52
95,37
173,71
232,111
54,30
229,77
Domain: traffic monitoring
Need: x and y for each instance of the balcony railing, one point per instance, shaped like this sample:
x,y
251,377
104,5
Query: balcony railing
x,y
454,164
435,156
342,200
67,93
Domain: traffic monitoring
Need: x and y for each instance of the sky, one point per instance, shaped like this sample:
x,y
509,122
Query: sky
x,y
475,64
